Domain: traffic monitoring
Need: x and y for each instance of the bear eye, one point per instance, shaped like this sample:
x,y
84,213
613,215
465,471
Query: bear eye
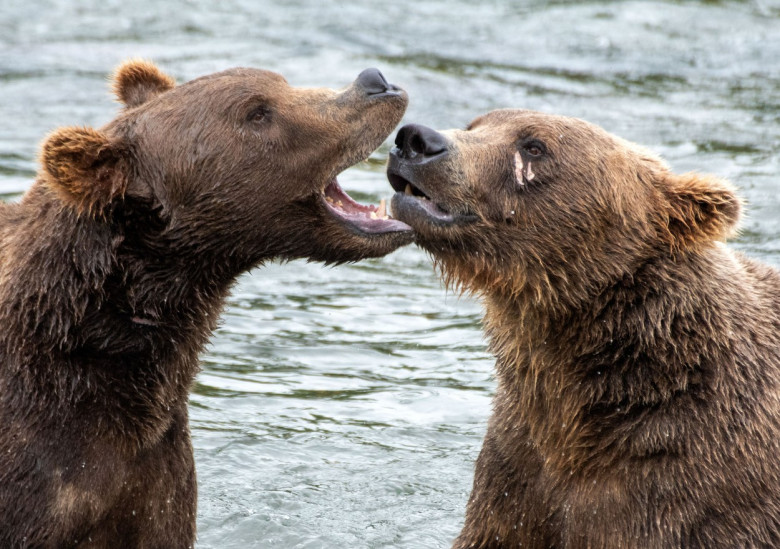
x,y
258,114
534,148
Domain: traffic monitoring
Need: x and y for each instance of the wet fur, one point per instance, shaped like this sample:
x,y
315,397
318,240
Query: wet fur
x,y
638,399
114,268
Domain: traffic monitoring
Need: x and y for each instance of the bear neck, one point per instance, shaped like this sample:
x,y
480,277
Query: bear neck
x,y
586,380
90,307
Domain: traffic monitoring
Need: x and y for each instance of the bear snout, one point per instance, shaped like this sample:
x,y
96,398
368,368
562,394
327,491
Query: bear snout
x,y
419,143
373,82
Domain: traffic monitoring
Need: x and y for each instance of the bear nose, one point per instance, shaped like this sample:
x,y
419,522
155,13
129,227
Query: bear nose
x,y
373,82
415,139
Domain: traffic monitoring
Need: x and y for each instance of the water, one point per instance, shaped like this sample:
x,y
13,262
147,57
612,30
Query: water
x,y
344,407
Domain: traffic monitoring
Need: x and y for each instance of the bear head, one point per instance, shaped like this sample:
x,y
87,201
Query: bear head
x,y
237,166
549,206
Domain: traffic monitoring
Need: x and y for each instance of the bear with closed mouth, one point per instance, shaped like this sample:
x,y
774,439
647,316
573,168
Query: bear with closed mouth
x,y
114,268
637,357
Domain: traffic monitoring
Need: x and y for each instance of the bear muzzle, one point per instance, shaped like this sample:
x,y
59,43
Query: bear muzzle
x,y
373,83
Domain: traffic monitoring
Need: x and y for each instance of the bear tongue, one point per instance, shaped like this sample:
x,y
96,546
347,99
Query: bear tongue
x,y
368,218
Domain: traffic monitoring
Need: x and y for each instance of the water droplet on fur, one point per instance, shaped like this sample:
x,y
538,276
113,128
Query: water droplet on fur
x,y
506,494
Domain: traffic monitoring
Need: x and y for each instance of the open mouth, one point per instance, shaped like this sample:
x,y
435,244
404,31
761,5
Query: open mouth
x,y
366,218
411,197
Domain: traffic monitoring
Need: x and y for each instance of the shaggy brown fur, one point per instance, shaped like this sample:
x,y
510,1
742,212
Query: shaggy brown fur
x,y
637,357
114,268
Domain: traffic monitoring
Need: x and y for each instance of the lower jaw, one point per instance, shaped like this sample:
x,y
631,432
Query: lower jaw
x,y
372,226
414,211
368,220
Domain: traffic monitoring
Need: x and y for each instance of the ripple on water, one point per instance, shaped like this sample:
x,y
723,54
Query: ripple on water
x,y
344,407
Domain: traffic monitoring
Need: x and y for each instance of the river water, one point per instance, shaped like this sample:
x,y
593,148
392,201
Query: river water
x,y
344,407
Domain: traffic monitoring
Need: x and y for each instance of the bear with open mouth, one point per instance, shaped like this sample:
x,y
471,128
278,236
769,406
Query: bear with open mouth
x,y
637,357
114,268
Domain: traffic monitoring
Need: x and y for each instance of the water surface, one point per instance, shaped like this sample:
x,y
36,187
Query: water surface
x,y
344,407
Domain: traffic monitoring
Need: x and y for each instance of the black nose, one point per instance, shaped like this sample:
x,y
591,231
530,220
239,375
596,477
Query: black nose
x,y
415,139
373,82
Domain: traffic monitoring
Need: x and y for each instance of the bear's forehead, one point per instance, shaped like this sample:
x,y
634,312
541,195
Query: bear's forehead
x,y
521,118
219,93
518,123
236,76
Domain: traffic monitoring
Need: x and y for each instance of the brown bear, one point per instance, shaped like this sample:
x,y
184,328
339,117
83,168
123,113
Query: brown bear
x,y
114,267
638,358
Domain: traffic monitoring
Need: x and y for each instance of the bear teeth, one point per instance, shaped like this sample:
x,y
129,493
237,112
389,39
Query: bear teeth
x,y
378,213
381,212
409,190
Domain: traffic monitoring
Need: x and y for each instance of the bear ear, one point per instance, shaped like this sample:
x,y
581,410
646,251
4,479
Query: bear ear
x,y
137,81
701,208
84,168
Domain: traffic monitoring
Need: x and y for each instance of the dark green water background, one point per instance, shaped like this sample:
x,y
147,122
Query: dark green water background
x,y
344,407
